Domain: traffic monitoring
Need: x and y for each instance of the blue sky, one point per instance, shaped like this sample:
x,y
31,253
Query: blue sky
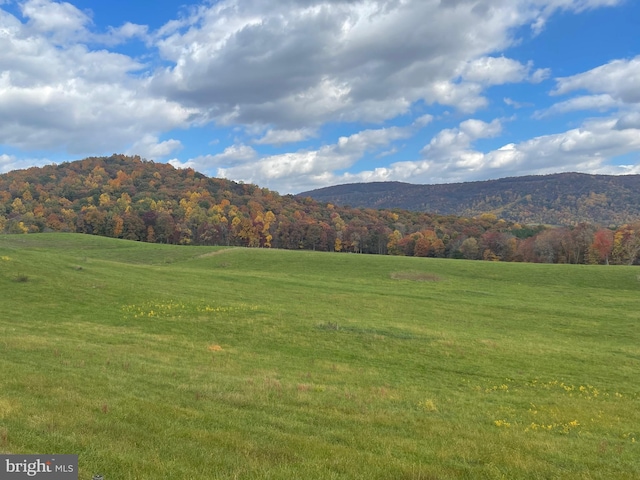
x,y
300,94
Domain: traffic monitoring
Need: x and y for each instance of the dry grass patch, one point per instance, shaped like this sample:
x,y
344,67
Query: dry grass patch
x,y
416,276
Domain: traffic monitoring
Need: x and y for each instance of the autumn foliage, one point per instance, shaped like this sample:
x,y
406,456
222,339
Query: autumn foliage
x,y
130,198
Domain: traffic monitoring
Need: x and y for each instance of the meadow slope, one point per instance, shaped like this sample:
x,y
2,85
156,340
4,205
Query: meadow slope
x,y
154,361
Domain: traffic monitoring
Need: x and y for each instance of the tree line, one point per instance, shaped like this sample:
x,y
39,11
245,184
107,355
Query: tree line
x,y
131,198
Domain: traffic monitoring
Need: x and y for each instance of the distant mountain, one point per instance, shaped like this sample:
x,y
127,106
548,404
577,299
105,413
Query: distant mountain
x,y
558,199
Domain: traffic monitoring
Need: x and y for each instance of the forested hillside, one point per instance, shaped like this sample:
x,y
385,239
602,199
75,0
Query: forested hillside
x,y
559,199
130,198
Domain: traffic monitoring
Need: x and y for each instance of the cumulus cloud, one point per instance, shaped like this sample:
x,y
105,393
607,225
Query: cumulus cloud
x,y
454,142
501,70
600,103
182,165
618,78
12,162
299,64
585,149
548,8
289,172
279,137
6,162
62,21
310,168
628,121
423,121
150,147
123,33
610,87
233,155
450,156
72,98
516,104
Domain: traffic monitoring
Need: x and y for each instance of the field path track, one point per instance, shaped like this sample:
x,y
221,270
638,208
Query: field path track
x,y
218,252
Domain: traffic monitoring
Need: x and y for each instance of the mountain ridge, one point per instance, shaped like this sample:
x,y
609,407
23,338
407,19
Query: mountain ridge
x,y
567,198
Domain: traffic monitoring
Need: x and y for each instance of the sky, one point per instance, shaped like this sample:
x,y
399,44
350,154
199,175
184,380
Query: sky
x,y
295,95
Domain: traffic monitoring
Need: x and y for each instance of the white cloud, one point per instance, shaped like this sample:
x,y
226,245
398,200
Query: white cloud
x,y
423,121
298,64
11,162
454,142
289,172
628,120
515,104
600,103
618,78
279,137
174,162
613,86
450,158
123,33
581,5
292,171
62,20
451,147
500,70
540,75
549,7
63,23
6,162
151,148
582,149
234,155
387,153
72,98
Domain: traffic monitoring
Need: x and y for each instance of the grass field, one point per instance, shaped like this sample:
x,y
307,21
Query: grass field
x,y
165,362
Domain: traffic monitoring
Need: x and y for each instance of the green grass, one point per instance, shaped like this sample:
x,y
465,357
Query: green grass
x,y
153,361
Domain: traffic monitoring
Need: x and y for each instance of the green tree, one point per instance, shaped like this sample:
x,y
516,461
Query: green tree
x,y
470,249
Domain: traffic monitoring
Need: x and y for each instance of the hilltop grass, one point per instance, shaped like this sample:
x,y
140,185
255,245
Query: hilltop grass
x,y
154,361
